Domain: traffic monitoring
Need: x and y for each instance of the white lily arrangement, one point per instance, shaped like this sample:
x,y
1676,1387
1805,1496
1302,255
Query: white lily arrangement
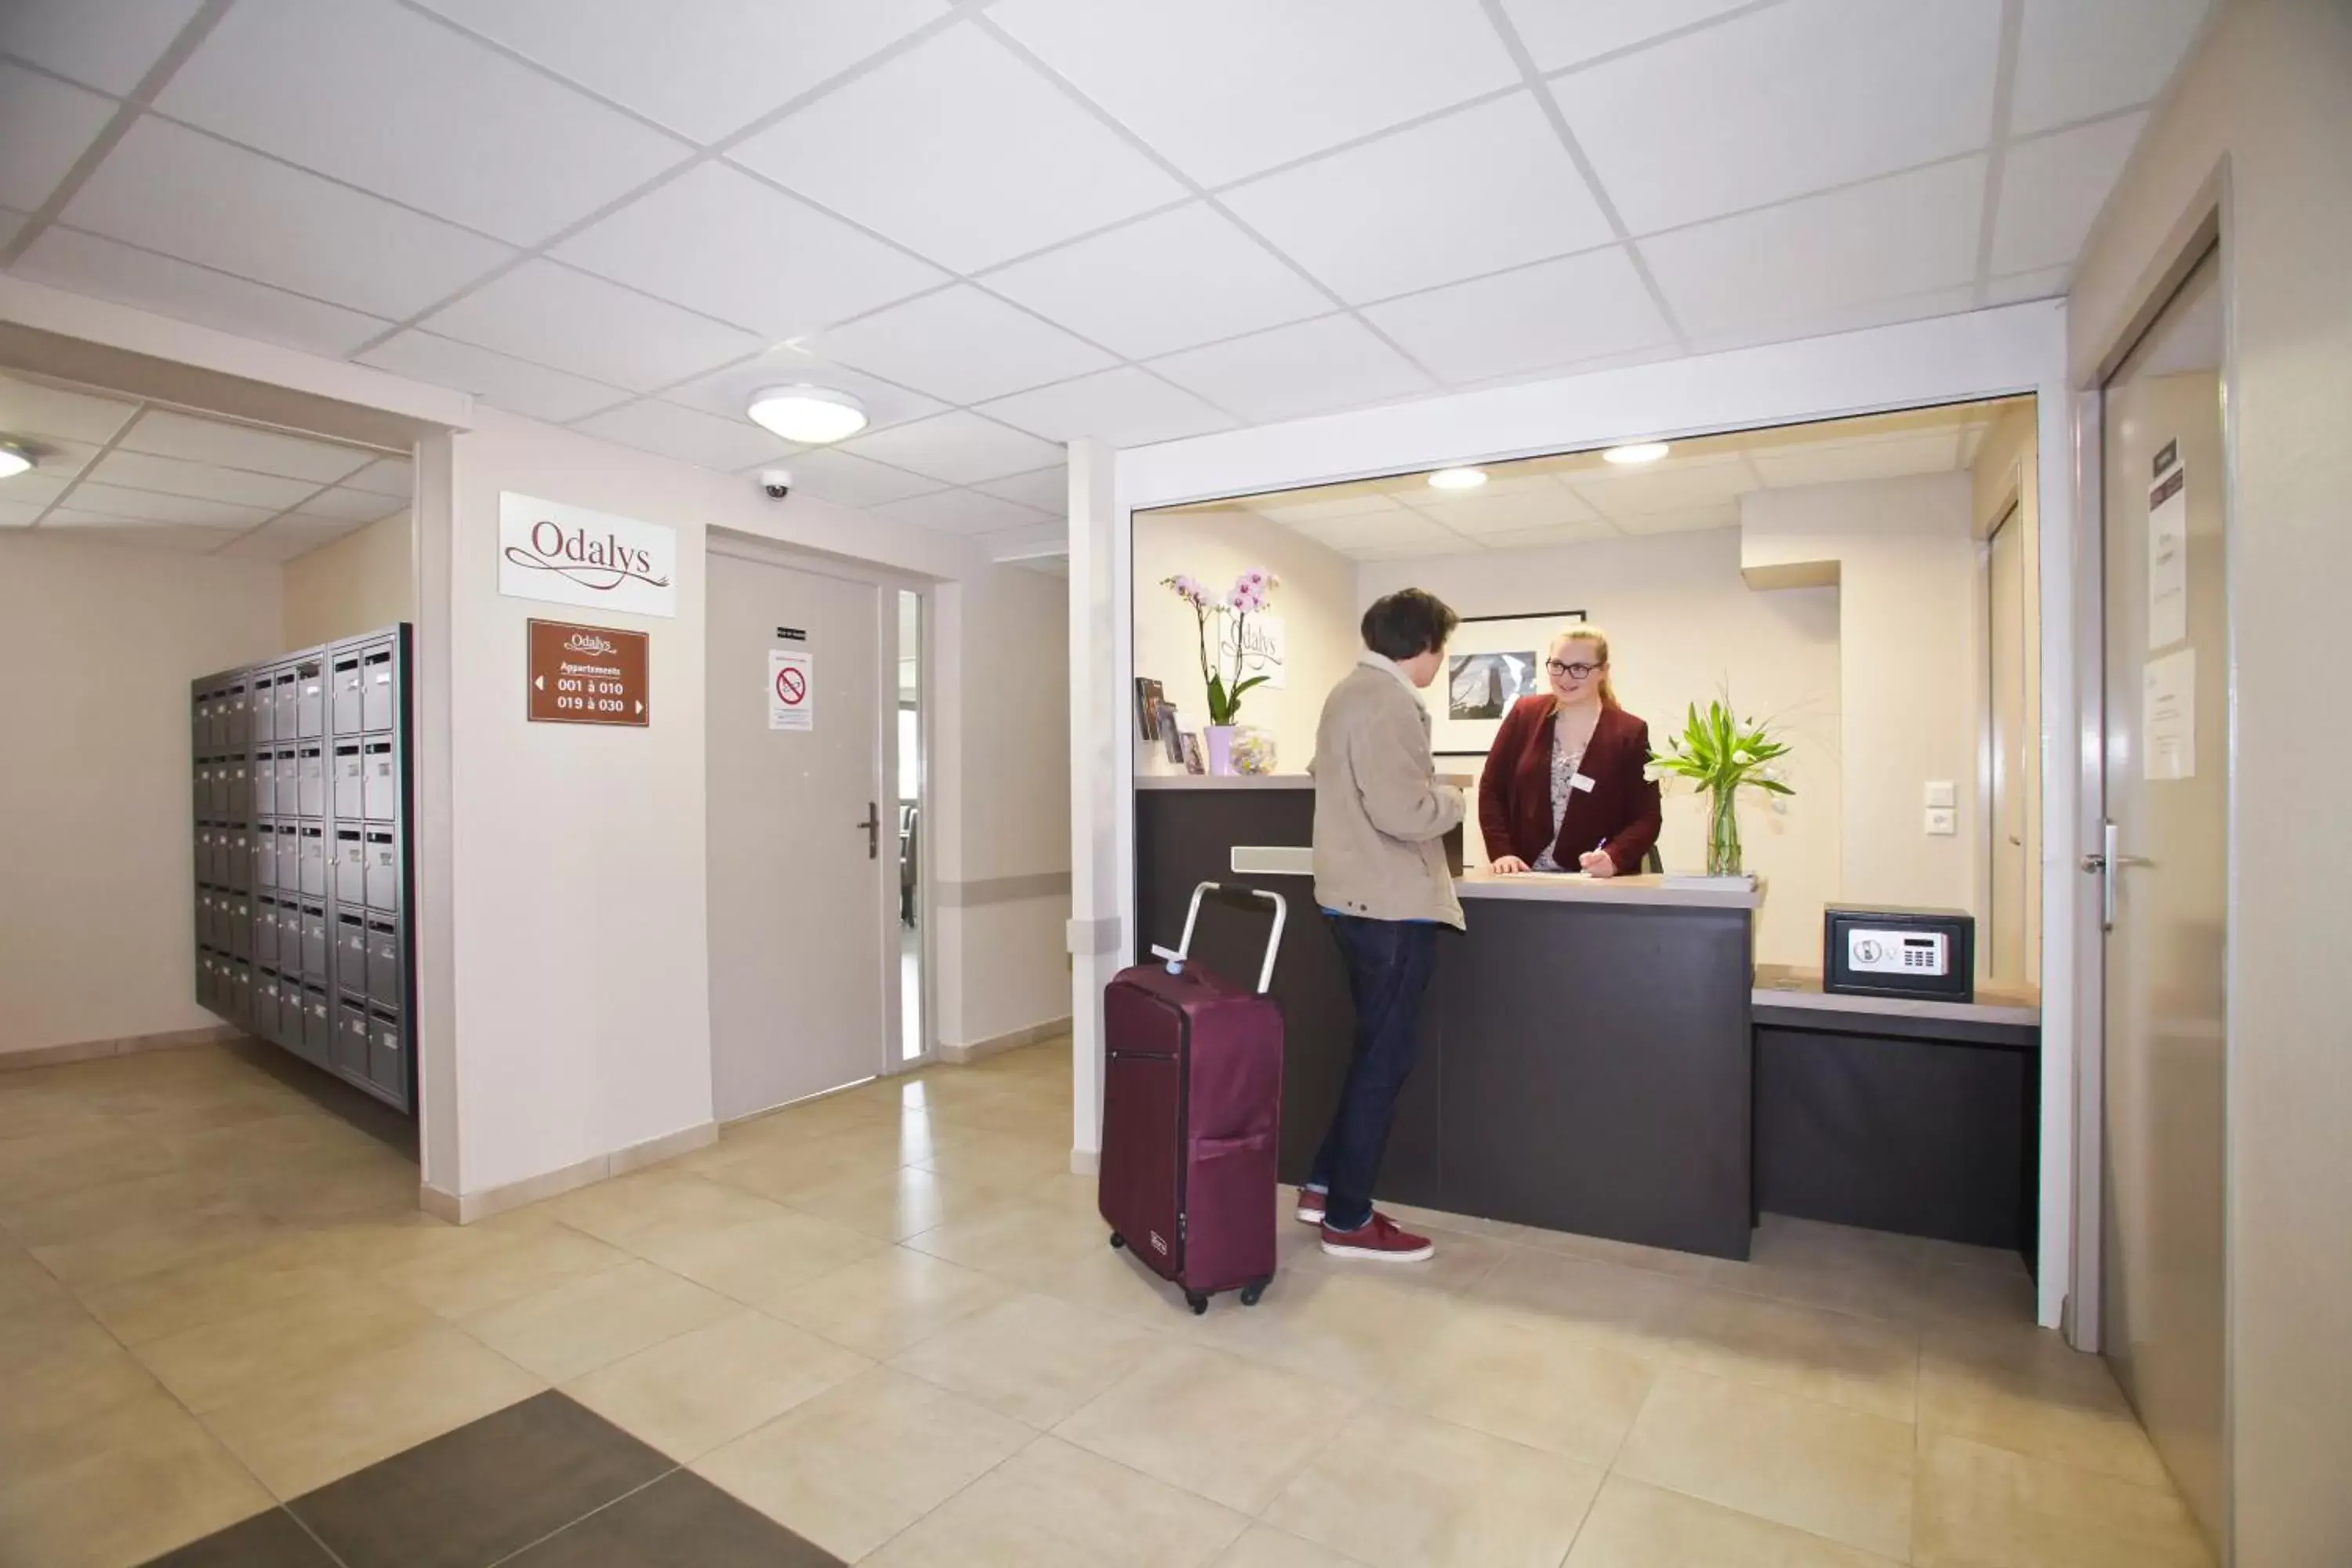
x,y
1722,754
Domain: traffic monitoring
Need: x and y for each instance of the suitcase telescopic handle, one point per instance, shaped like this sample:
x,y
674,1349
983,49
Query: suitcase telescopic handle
x,y
1184,948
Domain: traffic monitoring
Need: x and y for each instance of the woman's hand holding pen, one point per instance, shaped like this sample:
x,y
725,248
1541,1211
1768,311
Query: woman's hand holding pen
x,y
1595,861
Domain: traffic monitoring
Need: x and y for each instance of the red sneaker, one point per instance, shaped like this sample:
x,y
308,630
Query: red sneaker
x,y
1382,1239
1310,1206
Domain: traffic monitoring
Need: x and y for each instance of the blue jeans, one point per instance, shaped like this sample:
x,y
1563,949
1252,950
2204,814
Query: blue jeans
x,y
1388,965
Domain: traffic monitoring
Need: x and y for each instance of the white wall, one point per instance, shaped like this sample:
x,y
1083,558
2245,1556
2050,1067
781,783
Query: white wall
x,y
97,929
2264,104
1317,602
2008,463
1683,625
361,581
1909,678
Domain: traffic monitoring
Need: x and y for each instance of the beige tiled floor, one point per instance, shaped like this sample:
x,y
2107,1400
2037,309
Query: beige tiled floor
x,y
889,1320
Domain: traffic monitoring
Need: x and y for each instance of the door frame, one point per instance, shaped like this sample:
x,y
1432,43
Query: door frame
x,y
2205,225
886,585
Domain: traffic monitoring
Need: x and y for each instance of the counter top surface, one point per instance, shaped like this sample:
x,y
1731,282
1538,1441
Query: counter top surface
x,y
1234,781
1783,985
1577,889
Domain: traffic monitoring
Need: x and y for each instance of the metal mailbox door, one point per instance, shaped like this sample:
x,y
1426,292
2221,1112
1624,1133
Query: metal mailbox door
x,y
313,795
376,700
314,861
350,952
347,694
382,797
388,1063
383,869
385,972
314,944
317,1025
351,1041
350,867
310,699
281,696
265,933
350,778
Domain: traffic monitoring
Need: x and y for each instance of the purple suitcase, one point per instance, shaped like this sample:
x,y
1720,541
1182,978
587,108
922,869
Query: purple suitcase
x,y
1192,1117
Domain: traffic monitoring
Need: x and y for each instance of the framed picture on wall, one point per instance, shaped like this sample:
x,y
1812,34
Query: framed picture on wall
x,y
1492,662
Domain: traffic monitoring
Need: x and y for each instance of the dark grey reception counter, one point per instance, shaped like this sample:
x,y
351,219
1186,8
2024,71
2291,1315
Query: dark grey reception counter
x,y
1586,1058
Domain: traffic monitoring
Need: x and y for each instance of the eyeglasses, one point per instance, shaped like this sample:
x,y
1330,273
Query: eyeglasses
x,y
1577,671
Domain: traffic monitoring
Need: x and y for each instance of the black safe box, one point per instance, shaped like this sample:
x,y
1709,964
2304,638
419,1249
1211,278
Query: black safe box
x,y
1928,955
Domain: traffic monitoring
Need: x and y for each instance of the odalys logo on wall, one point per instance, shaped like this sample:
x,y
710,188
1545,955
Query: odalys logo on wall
x,y
570,555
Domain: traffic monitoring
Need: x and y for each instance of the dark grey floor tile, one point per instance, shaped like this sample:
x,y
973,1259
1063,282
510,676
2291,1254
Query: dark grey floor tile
x,y
473,1496
271,1540
679,1521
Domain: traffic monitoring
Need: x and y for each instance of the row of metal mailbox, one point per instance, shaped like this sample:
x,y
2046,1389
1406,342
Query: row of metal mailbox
x,y
363,863
353,1041
352,951
292,703
294,781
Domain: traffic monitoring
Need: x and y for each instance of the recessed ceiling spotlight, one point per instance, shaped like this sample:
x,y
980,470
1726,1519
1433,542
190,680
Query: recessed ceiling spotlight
x,y
813,414
13,461
1458,479
1637,452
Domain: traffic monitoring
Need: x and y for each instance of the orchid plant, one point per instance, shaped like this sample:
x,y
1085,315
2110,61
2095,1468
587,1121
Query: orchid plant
x,y
1252,594
1720,755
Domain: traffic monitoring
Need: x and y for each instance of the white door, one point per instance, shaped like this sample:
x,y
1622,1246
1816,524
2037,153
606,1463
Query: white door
x,y
800,991
2010,623
2167,794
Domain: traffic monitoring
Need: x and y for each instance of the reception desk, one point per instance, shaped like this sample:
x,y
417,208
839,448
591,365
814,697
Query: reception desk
x,y
1586,1060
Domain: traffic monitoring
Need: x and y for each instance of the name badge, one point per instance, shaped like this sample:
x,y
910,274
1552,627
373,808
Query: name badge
x,y
1578,780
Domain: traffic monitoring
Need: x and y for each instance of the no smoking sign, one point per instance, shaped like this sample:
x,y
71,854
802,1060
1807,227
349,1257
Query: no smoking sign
x,y
790,675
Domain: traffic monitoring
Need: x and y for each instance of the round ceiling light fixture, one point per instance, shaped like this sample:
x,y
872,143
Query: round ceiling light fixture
x,y
1458,479
811,414
1636,452
13,461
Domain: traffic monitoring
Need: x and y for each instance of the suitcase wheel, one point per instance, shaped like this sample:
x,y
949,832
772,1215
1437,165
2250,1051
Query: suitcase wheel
x,y
1253,1290
1117,1241
1197,1301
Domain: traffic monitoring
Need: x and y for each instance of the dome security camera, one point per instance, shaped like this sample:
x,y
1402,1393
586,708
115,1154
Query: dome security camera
x,y
777,482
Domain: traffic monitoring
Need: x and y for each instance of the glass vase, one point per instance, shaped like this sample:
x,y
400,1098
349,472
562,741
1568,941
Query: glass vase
x,y
1723,835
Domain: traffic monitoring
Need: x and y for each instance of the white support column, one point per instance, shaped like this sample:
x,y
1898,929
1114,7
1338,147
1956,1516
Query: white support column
x,y
1097,732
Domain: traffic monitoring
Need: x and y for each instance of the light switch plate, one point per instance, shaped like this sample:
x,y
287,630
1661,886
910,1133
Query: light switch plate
x,y
1940,793
1943,821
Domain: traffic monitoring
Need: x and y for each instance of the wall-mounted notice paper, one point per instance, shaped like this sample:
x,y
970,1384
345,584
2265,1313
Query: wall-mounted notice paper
x,y
2167,551
2169,716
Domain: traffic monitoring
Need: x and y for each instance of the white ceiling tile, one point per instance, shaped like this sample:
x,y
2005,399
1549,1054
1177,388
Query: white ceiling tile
x,y
2076,59
27,494
959,449
716,240
1839,462
1669,487
1563,32
145,506
1161,283
1906,235
1039,549
1549,538
1477,515
333,85
35,408
355,506
285,538
962,152
20,513
2053,187
1784,101
1308,367
1127,408
1846,317
513,384
961,345
1047,490
1400,530
167,434
88,264
395,477
1694,519
964,512
1228,88
706,440
1481,190
1552,313
203,482
11,225
57,464
2048,283
553,316
91,528
109,47
44,125
729,392
171,189
1325,508
710,66
846,479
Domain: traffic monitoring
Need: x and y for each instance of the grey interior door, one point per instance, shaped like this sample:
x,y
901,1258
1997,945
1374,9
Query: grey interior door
x,y
800,989
2167,794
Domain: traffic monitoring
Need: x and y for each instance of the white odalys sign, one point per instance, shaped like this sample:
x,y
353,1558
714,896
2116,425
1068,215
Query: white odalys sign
x,y
570,555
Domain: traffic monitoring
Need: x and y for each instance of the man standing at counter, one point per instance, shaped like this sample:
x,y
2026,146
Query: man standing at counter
x,y
1382,878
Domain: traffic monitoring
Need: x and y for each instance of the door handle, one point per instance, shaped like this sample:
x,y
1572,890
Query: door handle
x,y
2106,864
873,826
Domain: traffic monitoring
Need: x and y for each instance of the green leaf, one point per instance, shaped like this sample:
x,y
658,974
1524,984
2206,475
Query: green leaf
x,y
1772,787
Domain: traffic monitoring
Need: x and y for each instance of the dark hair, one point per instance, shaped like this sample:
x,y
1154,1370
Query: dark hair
x,y
1408,624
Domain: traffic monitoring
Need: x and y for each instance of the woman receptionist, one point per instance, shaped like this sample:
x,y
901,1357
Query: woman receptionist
x,y
1564,788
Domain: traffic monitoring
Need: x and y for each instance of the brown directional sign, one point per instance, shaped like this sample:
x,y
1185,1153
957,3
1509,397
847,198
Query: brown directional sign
x,y
588,675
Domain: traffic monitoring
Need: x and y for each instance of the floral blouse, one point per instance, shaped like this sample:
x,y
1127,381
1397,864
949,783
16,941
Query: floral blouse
x,y
1564,763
